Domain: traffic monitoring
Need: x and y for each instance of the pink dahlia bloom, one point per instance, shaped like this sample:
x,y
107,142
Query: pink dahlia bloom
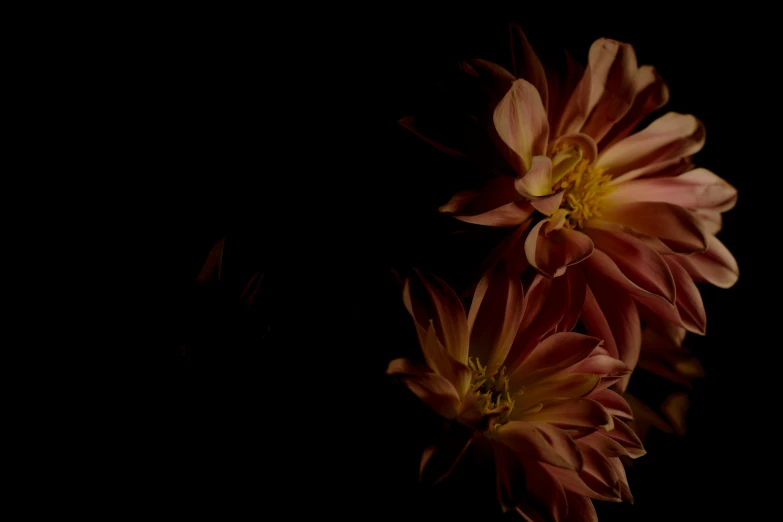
x,y
545,408
620,216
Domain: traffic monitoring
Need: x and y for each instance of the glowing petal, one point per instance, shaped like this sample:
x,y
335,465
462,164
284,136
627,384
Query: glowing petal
x,y
431,299
716,266
557,352
638,262
627,438
537,181
552,252
610,313
495,314
510,215
573,386
542,442
579,414
651,94
689,302
614,403
521,122
697,188
670,137
678,228
439,360
611,95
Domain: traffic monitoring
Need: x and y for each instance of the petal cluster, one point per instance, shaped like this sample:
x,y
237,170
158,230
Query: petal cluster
x,y
542,401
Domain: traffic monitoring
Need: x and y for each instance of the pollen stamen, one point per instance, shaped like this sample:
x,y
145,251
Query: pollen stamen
x,y
585,188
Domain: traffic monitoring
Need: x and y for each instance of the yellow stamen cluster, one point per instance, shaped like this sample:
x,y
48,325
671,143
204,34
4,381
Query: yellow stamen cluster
x,y
491,391
585,188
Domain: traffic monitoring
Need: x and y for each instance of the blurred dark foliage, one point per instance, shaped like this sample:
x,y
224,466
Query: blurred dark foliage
x,y
275,136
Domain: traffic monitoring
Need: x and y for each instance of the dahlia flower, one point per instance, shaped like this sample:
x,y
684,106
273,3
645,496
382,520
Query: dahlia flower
x,y
556,429
622,217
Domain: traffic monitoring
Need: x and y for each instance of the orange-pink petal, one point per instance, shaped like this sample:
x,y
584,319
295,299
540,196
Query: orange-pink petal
x,y
521,122
637,261
716,266
614,403
697,188
542,442
551,252
670,137
442,363
494,317
689,303
429,298
575,414
557,352
613,85
677,227
651,94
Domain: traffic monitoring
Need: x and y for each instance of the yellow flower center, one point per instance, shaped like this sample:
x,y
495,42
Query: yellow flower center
x,y
585,188
491,391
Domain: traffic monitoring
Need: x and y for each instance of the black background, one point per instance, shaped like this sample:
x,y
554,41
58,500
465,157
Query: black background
x,y
278,131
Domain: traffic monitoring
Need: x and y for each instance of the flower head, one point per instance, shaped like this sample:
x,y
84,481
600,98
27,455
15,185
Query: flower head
x,y
546,407
622,215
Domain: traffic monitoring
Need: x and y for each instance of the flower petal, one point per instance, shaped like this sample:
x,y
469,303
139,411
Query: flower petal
x,y
442,363
613,93
557,352
521,122
580,509
573,298
498,191
510,215
716,266
579,414
570,386
552,252
670,137
545,308
662,169
541,442
525,63
638,262
612,315
547,489
678,228
697,188
429,298
573,483
651,94
627,438
689,303
510,476
433,390
711,220
537,181
613,402
495,314
609,63
437,462
598,473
